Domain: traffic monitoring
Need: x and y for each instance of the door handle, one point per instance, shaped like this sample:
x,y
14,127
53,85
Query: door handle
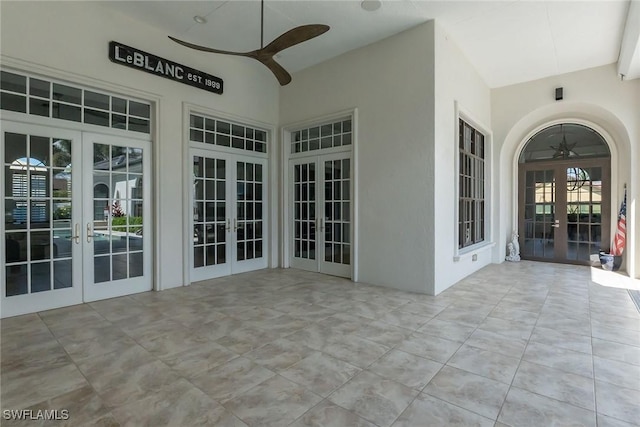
x,y
321,224
228,227
557,224
89,235
235,224
76,237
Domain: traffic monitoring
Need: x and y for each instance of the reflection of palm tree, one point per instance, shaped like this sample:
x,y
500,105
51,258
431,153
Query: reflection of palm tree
x,y
100,153
61,153
108,154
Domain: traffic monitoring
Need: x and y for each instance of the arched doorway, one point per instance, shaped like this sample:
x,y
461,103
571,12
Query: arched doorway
x,y
564,195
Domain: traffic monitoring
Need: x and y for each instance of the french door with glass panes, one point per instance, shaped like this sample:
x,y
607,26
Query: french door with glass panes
x,y
564,210
116,228
229,219
320,214
48,226
42,215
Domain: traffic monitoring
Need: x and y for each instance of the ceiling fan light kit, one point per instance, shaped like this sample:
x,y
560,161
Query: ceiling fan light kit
x,y
200,19
370,5
266,53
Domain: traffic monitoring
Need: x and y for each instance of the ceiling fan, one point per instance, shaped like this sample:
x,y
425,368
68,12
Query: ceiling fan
x,y
266,53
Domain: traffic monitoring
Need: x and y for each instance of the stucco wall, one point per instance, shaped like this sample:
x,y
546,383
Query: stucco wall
x,y
407,150
71,39
406,89
391,84
595,96
457,86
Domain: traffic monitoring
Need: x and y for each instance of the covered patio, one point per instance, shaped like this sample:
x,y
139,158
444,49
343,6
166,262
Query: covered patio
x,y
513,344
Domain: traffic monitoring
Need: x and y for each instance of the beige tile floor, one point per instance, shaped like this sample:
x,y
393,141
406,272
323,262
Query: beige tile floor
x,y
525,344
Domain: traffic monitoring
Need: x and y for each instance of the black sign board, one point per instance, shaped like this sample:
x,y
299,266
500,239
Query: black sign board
x,y
134,58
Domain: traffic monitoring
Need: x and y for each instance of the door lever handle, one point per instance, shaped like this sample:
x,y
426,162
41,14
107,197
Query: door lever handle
x,y
76,236
235,224
557,224
89,234
228,227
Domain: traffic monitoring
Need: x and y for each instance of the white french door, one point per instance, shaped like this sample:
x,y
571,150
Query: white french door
x,y
229,221
49,200
117,216
42,212
321,214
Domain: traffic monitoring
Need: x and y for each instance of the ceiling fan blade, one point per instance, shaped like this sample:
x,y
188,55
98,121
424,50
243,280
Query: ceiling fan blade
x,y
209,49
295,36
284,78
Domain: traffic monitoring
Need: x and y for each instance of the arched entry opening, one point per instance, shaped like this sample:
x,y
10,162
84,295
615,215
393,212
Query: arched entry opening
x,y
564,194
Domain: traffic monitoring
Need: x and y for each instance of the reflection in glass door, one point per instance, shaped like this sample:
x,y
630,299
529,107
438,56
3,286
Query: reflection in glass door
x,y
304,215
41,219
229,214
584,212
117,217
337,214
72,234
210,220
249,219
321,238
539,214
563,207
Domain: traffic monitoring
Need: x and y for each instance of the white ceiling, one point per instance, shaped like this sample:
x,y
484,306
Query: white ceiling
x,y
508,41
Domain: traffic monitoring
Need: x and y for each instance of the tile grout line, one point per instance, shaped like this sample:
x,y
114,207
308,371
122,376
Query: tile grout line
x,y
260,295
593,362
74,362
465,342
521,356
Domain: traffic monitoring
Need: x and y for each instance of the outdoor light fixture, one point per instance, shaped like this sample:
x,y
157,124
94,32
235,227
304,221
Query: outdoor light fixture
x,y
559,94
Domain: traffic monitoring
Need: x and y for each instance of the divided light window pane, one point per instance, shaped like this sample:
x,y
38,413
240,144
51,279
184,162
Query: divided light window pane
x,y
219,132
471,202
324,136
68,102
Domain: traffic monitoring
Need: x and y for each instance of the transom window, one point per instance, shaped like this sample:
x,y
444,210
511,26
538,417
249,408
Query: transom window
x,y
471,191
564,141
328,135
35,96
226,134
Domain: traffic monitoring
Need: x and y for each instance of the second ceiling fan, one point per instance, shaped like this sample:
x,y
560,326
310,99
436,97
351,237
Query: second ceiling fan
x,y
266,53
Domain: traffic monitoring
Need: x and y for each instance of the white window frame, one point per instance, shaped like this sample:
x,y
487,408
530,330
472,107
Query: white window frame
x,y
488,242
271,240
83,107
287,154
103,86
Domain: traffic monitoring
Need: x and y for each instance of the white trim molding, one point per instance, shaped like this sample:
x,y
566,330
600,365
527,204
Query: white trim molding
x,y
489,241
286,155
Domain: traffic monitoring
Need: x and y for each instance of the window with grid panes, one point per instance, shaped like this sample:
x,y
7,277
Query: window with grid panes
x,y
329,135
471,191
226,134
26,94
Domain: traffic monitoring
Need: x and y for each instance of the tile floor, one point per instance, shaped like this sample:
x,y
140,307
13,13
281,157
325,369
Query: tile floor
x,y
525,344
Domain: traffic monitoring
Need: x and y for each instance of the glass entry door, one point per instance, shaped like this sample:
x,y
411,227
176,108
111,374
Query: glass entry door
x,y
229,214
320,214
117,216
76,217
564,210
42,215
304,217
